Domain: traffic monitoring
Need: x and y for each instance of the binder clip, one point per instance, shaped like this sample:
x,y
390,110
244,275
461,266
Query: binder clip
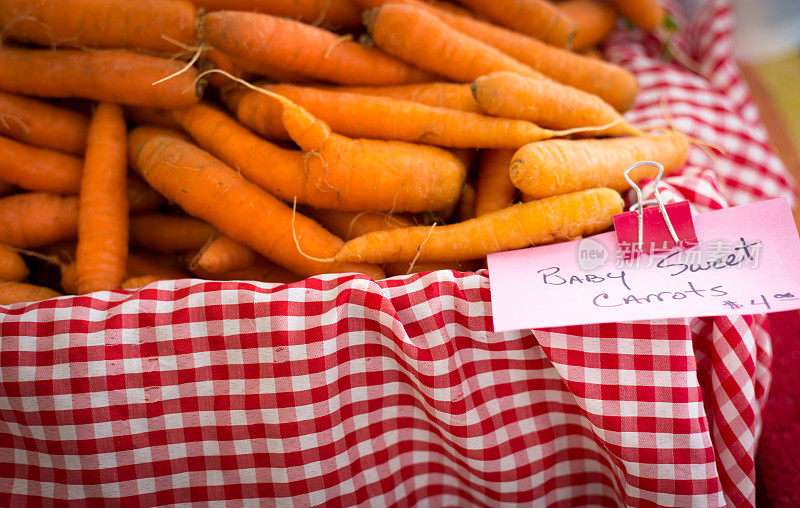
x,y
653,230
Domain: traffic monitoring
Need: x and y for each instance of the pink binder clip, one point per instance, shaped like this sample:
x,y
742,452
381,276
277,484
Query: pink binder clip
x,y
655,229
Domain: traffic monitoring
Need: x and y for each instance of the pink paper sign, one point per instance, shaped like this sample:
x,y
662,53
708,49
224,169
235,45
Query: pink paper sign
x,y
747,262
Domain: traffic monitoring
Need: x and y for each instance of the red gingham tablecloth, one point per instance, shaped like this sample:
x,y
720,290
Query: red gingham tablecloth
x,y
341,390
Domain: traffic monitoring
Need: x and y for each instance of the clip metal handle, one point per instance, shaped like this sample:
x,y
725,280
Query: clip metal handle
x,y
640,204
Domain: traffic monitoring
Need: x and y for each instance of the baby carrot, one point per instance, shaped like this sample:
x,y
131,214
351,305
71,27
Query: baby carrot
x,y
546,168
521,225
494,190
107,76
335,171
308,50
139,281
547,103
143,24
222,255
537,18
39,169
103,214
241,67
142,197
612,83
398,30
208,189
40,124
364,116
156,117
15,292
348,225
169,233
12,266
594,21
330,13
35,219
263,270
646,14
149,263
444,95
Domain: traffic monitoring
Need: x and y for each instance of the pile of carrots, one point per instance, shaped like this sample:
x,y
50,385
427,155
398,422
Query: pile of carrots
x,y
270,140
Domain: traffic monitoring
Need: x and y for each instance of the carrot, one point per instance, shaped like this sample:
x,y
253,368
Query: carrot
x,y
262,270
335,171
444,95
141,115
515,227
612,83
148,131
537,18
364,116
141,280
330,13
39,169
169,233
420,38
404,268
12,266
593,19
69,278
147,263
222,255
494,190
40,124
103,215
646,14
15,292
141,197
559,166
547,103
304,49
465,209
144,24
208,189
6,188
107,76
348,225
35,219
240,67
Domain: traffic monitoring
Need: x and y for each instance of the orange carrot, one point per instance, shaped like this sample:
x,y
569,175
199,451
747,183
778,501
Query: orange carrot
x,y
398,30
552,167
547,103
364,116
69,278
39,169
223,255
612,83
146,263
515,227
12,266
646,14
262,270
305,49
103,215
348,225
443,95
141,280
593,19
35,219
465,209
142,197
169,233
331,13
404,267
335,171
15,292
240,67
148,131
537,18
6,188
38,123
206,188
145,24
109,76
141,115
495,190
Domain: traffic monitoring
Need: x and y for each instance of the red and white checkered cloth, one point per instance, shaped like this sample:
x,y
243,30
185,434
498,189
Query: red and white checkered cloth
x,y
341,390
